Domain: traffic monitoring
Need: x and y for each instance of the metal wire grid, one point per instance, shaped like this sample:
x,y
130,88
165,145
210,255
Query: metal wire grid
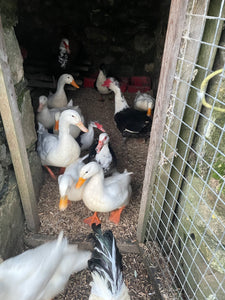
x,y
168,211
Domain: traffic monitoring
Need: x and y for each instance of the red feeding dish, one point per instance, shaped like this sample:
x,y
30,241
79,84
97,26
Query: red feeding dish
x,y
139,83
89,82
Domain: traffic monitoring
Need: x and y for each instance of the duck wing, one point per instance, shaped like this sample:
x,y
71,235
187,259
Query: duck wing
x,y
106,267
24,276
132,121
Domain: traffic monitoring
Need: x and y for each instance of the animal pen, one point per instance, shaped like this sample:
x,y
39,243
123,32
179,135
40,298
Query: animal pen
x,y
183,196
182,206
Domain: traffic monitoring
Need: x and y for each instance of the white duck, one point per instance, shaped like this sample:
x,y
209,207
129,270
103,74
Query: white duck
x,y
67,184
144,101
106,268
60,150
46,115
59,98
101,194
85,139
41,273
74,130
103,153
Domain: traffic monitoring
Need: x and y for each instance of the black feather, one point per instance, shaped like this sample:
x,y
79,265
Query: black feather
x,y
100,261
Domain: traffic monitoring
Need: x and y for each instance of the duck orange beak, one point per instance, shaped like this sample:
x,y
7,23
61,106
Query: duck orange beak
x,y
82,127
149,112
80,182
63,203
56,127
73,83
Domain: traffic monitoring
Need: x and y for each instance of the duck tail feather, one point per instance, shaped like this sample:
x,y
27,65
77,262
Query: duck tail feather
x,y
106,259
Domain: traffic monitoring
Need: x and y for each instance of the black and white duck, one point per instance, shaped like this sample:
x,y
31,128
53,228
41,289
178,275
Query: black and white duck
x,y
106,268
129,121
102,152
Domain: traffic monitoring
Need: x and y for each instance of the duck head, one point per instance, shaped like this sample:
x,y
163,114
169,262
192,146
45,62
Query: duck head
x,y
68,79
72,117
64,46
42,102
102,140
97,125
86,172
111,83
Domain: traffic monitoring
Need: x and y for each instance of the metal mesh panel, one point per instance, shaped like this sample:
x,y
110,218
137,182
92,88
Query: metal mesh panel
x,y
187,210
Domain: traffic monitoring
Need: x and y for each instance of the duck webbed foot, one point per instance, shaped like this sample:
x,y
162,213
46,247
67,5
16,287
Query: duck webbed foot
x,y
92,219
50,172
115,215
63,203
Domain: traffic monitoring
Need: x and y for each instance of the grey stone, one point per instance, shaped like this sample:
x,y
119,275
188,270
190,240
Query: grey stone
x,y
11,220
14,55
27,115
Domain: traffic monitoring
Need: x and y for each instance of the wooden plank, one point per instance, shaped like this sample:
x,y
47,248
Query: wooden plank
x,y
171,48
178,133
12,124
34,240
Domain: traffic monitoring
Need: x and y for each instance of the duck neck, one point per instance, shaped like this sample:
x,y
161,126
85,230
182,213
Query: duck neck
x,y
101,76
120,101
97,180
46,112
60,86
64,129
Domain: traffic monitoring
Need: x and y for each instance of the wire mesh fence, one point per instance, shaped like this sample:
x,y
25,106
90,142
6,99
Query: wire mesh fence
x,y
187,207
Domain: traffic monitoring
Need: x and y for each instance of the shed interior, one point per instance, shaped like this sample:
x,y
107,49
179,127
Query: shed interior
x,y
129,38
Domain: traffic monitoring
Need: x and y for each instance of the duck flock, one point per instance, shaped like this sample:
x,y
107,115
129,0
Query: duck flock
x,y
63,138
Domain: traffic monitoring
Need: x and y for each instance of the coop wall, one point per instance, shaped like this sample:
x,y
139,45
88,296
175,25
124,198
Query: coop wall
x,y
185,208
11,211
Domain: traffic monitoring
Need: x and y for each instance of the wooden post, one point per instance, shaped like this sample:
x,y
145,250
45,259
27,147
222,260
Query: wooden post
x,y
11,118
171,49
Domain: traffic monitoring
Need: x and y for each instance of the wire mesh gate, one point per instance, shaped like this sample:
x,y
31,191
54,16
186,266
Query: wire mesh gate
x,y
185,211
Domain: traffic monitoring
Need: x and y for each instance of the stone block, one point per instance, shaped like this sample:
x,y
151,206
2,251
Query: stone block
x,y
11,221
14,55
27,116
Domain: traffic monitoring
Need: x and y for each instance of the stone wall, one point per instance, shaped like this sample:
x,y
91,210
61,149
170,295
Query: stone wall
x,y
11,212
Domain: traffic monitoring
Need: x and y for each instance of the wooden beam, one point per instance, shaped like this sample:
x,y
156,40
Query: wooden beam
x,y
34,240
171,48
11,118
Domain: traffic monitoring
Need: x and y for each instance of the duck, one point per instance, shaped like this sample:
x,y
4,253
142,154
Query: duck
x,y
86,139
59,98
67,182
46,115
59,150
74,130
106,267
102,152
64,52
144,102
110,194
42,272
129,121
98,84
